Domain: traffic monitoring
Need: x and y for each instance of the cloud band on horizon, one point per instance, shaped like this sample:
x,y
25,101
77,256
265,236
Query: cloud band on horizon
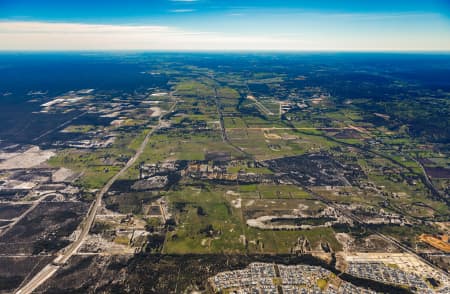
x,y
23,35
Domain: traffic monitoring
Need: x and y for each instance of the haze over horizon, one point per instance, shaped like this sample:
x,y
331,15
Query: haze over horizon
x,y
203,25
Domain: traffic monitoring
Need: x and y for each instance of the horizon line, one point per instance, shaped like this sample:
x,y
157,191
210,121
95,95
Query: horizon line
x,y
402,51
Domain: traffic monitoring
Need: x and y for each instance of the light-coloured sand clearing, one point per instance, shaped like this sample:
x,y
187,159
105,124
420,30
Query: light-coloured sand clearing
x,y
62,174
30,158
156,111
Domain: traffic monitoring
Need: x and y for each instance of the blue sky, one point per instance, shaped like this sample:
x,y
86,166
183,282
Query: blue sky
x,y
325,25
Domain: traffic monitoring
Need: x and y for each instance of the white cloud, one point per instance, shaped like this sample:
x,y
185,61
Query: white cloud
x,y
73,36
182,10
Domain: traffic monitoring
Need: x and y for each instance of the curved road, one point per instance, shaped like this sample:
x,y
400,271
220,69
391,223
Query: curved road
x,y
87,223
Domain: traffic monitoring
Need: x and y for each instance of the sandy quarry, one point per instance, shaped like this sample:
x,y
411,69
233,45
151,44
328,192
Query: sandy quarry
x,y
62,174
30,158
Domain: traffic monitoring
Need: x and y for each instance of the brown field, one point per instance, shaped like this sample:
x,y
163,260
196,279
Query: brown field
x,y
439,243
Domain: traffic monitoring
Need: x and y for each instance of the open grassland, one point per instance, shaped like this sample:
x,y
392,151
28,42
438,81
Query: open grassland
x,y
266,144
99,165
79,128
210,222
266,191
227,92
177,145
207,223
194,88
